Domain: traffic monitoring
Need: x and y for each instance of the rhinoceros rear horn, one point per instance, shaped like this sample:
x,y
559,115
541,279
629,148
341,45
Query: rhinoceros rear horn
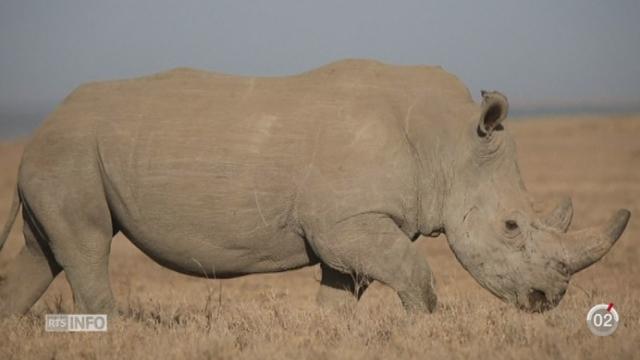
x,y
494,110
587,246
560,217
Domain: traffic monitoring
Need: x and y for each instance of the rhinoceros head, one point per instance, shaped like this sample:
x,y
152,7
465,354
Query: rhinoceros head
x,y
491,225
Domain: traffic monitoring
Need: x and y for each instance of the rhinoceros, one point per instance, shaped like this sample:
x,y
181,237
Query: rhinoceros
x,y
344,166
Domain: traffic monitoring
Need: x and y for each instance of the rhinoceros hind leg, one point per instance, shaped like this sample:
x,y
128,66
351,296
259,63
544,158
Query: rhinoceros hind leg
x,y
84,257
373,246
339,290
28,275
77,222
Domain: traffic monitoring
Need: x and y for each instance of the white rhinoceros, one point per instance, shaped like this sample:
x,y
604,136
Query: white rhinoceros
x,y
222,176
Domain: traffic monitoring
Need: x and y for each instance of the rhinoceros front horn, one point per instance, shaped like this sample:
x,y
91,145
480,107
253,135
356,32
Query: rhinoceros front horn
x,y
560,217
587,246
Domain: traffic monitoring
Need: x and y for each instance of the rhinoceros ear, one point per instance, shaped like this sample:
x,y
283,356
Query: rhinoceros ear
x,y
494,110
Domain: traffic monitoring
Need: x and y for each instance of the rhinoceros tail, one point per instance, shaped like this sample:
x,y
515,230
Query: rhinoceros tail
x,y
13,213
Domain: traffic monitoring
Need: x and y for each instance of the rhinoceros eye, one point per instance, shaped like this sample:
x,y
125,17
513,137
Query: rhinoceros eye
x,y
511,225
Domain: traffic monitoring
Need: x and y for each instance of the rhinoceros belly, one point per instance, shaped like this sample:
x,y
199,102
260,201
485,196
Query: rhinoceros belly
x,y
207,199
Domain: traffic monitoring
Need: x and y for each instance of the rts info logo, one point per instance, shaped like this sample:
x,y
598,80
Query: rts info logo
x,y
75,322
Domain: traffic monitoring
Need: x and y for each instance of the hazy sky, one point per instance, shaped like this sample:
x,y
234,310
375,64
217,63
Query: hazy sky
x,y
534,51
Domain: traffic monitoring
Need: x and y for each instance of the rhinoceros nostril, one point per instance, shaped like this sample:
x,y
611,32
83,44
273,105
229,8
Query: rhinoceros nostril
x,y
537,300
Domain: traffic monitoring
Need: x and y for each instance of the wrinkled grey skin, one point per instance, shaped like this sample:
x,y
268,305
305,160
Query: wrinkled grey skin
x,y
222,176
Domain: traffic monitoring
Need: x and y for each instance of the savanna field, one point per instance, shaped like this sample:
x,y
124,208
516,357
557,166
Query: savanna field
x,y
594,159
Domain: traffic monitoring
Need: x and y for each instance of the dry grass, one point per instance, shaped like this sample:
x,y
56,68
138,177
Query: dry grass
x,y
595,160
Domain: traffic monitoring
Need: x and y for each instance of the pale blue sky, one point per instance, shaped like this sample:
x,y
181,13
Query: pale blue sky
x,y
537,52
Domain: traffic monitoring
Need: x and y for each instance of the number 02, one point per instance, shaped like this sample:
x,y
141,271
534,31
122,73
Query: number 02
x,y
602,320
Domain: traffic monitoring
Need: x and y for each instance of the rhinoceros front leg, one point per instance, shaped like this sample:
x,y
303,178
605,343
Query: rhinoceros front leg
x,y
372,246
339,290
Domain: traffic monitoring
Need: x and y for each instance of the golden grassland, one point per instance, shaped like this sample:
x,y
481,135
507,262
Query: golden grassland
x,y
594,159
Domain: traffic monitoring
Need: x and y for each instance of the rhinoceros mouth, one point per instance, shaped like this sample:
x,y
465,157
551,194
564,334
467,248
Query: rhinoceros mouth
x,y
537,300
